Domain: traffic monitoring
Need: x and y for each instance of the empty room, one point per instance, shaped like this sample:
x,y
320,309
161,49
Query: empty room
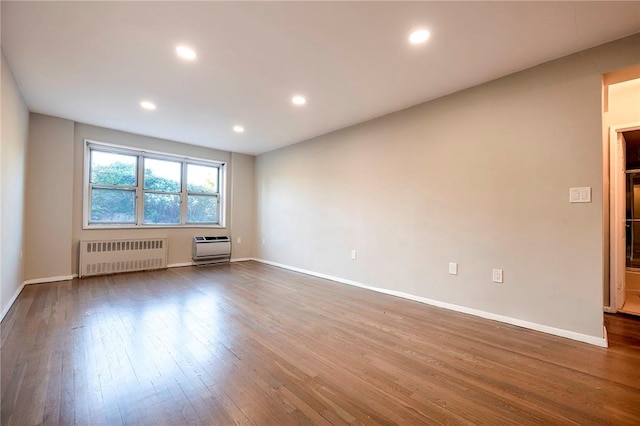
x,y
328,213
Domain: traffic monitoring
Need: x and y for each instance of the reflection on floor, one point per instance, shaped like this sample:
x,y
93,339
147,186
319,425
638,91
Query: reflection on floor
x,y
632,293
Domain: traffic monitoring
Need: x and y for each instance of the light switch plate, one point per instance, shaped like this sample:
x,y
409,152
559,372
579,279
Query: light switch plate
x,y
581,194
453,268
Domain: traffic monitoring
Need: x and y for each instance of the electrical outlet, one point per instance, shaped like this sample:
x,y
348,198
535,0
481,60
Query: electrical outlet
x,y
354,255
238,240
497,275
453,268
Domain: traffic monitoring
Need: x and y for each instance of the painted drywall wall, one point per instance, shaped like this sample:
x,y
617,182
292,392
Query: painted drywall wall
x,y
56,164
480,178
242,205
180,239
49,198
624,103
13,158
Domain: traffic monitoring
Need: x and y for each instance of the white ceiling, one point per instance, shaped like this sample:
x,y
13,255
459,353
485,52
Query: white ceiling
x,y
94,62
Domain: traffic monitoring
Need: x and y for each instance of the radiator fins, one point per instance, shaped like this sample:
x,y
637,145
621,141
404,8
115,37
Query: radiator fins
x,y
114,256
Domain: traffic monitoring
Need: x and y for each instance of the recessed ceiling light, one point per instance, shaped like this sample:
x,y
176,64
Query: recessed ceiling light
x,y
298,100
186,53
419,36
148,105
238,129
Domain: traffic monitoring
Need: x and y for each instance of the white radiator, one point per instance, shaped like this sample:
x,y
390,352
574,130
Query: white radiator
x,y
208,250
113,256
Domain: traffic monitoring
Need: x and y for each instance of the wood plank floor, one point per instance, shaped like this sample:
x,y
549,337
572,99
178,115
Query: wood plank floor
x,y
248,343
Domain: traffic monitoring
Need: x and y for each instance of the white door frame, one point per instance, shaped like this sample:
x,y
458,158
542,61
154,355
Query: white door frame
x,y
617,214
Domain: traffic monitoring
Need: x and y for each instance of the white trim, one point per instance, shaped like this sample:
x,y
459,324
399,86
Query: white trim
x,y
138,188
11,301
104,226
180,265
616,218
128,149
619,128
617,215
597,341
48,279
33,281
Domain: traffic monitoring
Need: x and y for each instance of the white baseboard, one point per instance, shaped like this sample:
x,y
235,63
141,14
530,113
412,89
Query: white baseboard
x,y
49,279
33,281
593,340
585,338
180,265
11,301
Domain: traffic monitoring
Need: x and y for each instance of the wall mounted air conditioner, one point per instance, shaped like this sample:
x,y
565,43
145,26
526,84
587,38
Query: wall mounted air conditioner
x,y
208,250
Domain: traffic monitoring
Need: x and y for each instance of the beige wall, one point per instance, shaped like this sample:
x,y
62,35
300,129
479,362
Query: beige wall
x,y
242,205
180,239
49,198
13,158
55,192
624,103
480,178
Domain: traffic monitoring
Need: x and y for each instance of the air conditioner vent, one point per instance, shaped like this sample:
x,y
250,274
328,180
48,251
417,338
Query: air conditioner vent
x,y
207,250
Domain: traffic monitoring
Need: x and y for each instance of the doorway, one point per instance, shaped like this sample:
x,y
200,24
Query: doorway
x,y
625,218
621,190
631,295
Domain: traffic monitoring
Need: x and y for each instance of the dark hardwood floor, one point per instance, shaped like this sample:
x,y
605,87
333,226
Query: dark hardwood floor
x,y
248,343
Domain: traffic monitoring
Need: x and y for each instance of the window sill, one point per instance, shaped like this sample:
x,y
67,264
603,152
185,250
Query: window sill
x,y
114,227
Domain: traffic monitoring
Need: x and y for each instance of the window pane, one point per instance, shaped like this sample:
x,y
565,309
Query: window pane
x,y
202,178
202,209
113,206
161,208
113,169
161,175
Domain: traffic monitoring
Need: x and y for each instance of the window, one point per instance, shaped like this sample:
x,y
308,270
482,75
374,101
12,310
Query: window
x,y
114,182
126,188
202,194
162,192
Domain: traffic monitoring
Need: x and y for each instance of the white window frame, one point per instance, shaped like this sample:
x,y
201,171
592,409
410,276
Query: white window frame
x,y
139,188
